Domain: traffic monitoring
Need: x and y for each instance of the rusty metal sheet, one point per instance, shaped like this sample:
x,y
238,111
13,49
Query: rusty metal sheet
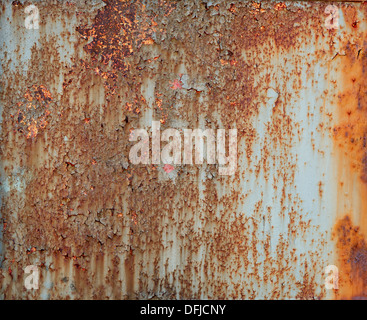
x,y
78,78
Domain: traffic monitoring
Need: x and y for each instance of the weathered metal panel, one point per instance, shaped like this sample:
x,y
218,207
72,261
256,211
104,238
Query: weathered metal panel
x,y
98,226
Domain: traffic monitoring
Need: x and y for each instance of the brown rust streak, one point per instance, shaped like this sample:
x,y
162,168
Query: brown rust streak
x,y
350,136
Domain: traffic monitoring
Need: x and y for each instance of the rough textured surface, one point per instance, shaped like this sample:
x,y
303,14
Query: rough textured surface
x,y
100,227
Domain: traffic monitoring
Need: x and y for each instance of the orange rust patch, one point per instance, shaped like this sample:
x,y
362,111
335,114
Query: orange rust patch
x,y
350,136
32,111
352,250
351,132
118,31
280,6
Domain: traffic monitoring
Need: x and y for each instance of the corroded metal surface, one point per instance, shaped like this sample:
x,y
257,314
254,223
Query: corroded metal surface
x,y
98,226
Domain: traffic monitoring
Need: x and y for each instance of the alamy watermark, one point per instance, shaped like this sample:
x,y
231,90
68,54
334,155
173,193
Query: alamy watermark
x,y
31,281
332,20
332,279
32,19
172,151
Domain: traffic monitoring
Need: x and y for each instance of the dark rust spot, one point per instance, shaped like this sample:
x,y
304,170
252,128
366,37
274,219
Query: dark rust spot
x,y
352,250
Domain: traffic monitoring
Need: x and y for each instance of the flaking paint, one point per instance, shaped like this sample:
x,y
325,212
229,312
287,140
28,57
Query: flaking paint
x,y
99,227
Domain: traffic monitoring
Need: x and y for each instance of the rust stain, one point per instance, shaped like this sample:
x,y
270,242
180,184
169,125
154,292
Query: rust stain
x,y
99,227
119,30
351,132
352,250
350,136
33,111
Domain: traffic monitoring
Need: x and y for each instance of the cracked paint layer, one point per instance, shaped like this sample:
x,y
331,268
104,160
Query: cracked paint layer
x,y
99,227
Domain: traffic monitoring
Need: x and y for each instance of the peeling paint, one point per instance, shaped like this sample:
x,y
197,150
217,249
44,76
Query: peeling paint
x,y
100,227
